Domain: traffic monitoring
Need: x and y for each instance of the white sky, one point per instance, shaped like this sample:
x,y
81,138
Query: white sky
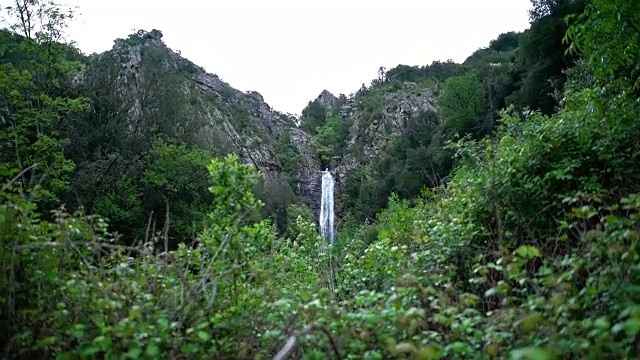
x,y
290,50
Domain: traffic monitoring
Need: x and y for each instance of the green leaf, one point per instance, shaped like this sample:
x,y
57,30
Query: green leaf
x,y
632,326
89,350
78,330
459,347
528,252
133,353
490,292
204,336
531,353
152,350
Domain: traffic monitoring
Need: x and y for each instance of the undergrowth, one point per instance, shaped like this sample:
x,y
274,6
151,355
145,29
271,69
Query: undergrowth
x,y
458,274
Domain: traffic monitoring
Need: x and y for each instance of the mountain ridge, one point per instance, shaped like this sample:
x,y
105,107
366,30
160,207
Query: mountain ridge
x,y
245,119
254,139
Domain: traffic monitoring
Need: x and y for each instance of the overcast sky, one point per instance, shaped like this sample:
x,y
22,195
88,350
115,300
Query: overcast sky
x,y
290,50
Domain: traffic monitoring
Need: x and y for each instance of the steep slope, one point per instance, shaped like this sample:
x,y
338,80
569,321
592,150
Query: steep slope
x,y
359,132
390,137
386,138
227,120
373,128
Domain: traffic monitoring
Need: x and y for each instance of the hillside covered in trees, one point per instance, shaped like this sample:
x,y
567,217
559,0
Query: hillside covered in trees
x,y
489,209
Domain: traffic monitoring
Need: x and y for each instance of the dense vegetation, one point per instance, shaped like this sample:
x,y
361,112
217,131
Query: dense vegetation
x,y
529,250
524,70
122,144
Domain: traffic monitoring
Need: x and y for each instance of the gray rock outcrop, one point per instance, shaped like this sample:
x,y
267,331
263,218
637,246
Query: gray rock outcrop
x,y
237,122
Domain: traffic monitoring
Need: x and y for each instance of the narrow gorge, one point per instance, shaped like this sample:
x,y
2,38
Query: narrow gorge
x,y
228,120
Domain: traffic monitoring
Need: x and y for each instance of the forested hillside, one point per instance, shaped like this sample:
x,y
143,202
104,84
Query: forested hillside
x,y
489,209
129,132
391,136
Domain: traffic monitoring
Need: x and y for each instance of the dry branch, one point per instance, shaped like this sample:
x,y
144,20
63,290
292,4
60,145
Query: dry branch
x,y
293,341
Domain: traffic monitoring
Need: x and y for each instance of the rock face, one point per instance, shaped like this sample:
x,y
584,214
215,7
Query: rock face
x,y
327,99
307,175
244,124
368,135
237,122
395,113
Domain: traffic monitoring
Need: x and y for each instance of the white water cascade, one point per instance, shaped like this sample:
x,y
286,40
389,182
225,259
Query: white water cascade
x,y
326,208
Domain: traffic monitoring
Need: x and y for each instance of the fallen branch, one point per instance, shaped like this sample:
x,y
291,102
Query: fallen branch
x,y
293,341
7,185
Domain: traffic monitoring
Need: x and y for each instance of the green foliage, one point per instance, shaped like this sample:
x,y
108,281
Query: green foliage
x,y
529,251
409,162
329,140
208,299
187,68
542,56
438,71
371,104
232,187
277,195
122,204
610,42
505,42
313,116
468,101
36,109
243,120
40,21
287,154
462,105
477,269
543,8
177,177
132,165
527,70
135,194
295,214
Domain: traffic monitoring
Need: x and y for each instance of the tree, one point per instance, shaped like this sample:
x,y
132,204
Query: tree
x,y
233,208
542,56
286,153
313,116
42,21
176,179
543,8
381,77
277,196
505,42
608,36
462,105
329,139
138,148
381,74
38,100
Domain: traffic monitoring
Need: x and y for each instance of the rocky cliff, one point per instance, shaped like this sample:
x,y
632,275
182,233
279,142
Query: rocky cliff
x,y
233,121
373,119
369,136
244,124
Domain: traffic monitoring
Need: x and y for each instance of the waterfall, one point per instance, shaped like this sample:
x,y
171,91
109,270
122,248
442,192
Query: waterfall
x,y
326,208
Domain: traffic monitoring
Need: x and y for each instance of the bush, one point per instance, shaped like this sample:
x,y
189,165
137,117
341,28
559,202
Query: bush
x,y
73,291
